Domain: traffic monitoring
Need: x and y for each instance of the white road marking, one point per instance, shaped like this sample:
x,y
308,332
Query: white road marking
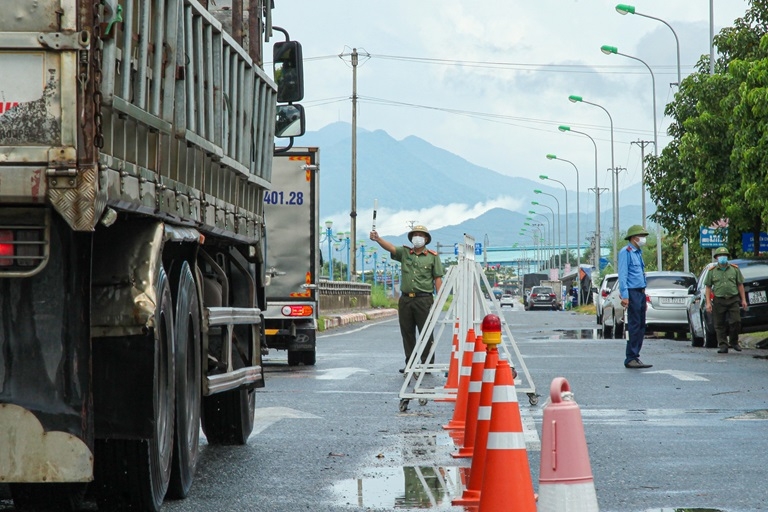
x,y
366,326
338,373
270,415
681,375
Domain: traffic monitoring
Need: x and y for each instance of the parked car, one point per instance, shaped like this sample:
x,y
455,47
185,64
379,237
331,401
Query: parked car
x,y
507,300
612,318
543,297
666,294
754,319
666,298
601,292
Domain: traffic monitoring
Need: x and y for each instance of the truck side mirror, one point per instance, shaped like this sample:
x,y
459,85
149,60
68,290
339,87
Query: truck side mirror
x,y
289,121
288,71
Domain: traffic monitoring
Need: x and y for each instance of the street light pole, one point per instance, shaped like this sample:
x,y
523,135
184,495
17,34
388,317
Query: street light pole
x,y
606,49
550,156
624,9
559,238
551,230
614,180
563,128
565,191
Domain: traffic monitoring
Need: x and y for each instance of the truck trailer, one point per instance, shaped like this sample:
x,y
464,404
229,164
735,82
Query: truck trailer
x,y
291,210
136,146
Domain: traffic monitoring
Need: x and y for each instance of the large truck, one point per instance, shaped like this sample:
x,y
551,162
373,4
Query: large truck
x,y
291,210
136,146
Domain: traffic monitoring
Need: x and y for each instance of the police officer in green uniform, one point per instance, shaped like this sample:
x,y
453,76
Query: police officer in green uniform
x,y
726,282
422,272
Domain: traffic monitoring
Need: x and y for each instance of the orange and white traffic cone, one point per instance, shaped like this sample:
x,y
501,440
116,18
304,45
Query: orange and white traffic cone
x,y
452,382
565,476
491,338
507,477
473,400
465,372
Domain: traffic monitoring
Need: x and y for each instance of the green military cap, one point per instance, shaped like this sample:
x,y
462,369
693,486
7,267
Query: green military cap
x,y
721,251
636,230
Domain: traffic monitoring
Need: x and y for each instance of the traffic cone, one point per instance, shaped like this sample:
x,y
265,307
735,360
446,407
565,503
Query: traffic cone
x,y
471,494
507,477
473,400
565,476
452,383
465,372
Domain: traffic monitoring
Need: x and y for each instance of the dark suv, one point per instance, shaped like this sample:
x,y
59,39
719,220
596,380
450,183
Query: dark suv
x,y
542,297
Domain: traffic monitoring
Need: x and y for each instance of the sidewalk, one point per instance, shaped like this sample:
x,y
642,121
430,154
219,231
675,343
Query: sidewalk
x,y
331,319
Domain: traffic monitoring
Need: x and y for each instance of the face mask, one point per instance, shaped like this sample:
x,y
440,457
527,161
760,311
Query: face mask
x,y
722,260
418,241
640,241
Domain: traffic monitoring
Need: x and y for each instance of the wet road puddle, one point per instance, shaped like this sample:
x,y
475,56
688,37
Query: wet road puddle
x,y
407,487
571,334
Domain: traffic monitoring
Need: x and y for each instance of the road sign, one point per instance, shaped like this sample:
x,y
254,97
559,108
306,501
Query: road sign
x,y
456,249
748,242
603,263
712,238
478,248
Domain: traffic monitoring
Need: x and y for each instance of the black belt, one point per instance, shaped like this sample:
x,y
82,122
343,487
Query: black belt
x,y
726,298
418,294
638,289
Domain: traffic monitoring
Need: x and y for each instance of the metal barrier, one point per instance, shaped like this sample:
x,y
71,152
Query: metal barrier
x,y
340,295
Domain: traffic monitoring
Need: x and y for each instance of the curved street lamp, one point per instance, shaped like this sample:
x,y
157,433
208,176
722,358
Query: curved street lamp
x,y
551,229
624,9
543,241
551,156
608,50
559,238
614,178
596,255
565,192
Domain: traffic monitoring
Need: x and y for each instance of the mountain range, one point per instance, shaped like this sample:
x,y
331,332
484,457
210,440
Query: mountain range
x,y
412,174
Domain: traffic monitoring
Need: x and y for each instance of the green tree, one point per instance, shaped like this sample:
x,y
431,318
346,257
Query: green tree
x,y
714,167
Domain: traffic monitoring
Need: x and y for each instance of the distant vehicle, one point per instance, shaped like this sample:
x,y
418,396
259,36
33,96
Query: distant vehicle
x,y
507,300
666,299
542,297
601,293
497,292
754,319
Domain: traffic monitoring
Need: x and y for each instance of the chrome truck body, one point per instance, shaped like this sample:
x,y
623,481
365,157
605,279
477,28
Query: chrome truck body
x,y
136,143
292,209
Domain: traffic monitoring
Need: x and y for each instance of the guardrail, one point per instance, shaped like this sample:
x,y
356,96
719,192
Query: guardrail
x,y
340,295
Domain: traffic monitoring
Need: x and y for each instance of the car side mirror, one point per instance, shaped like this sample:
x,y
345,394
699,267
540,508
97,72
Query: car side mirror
x,y
290,121
288,65
691,290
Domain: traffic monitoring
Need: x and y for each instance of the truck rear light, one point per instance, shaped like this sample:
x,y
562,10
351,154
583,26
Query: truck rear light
x,y
6,248
297,310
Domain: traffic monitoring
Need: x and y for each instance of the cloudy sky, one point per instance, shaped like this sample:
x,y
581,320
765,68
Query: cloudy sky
x,y
489,80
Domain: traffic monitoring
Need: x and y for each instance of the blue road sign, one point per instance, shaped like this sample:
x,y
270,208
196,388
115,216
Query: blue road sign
x,y
478,248
603,263
712,238
456,249
748,242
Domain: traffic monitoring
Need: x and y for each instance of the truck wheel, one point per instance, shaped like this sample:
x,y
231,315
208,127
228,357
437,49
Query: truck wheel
x,y
227,418
136,473
188,385
48,497
294,357
308,358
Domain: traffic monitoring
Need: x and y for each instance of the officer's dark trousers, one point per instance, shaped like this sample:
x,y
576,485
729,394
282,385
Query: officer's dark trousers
x,y
727,319
635,323
413,312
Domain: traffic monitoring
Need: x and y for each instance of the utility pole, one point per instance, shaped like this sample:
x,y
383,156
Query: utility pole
x,y
642,144
353,210
616,171
597,191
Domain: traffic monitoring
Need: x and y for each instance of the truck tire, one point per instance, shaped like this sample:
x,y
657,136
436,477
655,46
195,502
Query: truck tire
x,y
136,473
308,358
227,418
295,357
48,497
188,384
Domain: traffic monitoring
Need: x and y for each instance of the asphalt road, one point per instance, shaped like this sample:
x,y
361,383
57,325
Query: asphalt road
x,y
688,433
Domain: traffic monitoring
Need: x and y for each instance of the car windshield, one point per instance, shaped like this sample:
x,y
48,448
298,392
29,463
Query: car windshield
x,y
667,282
542,289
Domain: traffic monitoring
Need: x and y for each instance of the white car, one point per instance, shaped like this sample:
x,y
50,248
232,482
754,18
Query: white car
x,y
507,300
599,296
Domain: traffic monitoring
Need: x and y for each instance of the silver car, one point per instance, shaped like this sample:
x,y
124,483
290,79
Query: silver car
x,y
600,294
666,298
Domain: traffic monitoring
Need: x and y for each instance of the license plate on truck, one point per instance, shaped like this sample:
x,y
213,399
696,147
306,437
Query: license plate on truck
x,y
757,297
